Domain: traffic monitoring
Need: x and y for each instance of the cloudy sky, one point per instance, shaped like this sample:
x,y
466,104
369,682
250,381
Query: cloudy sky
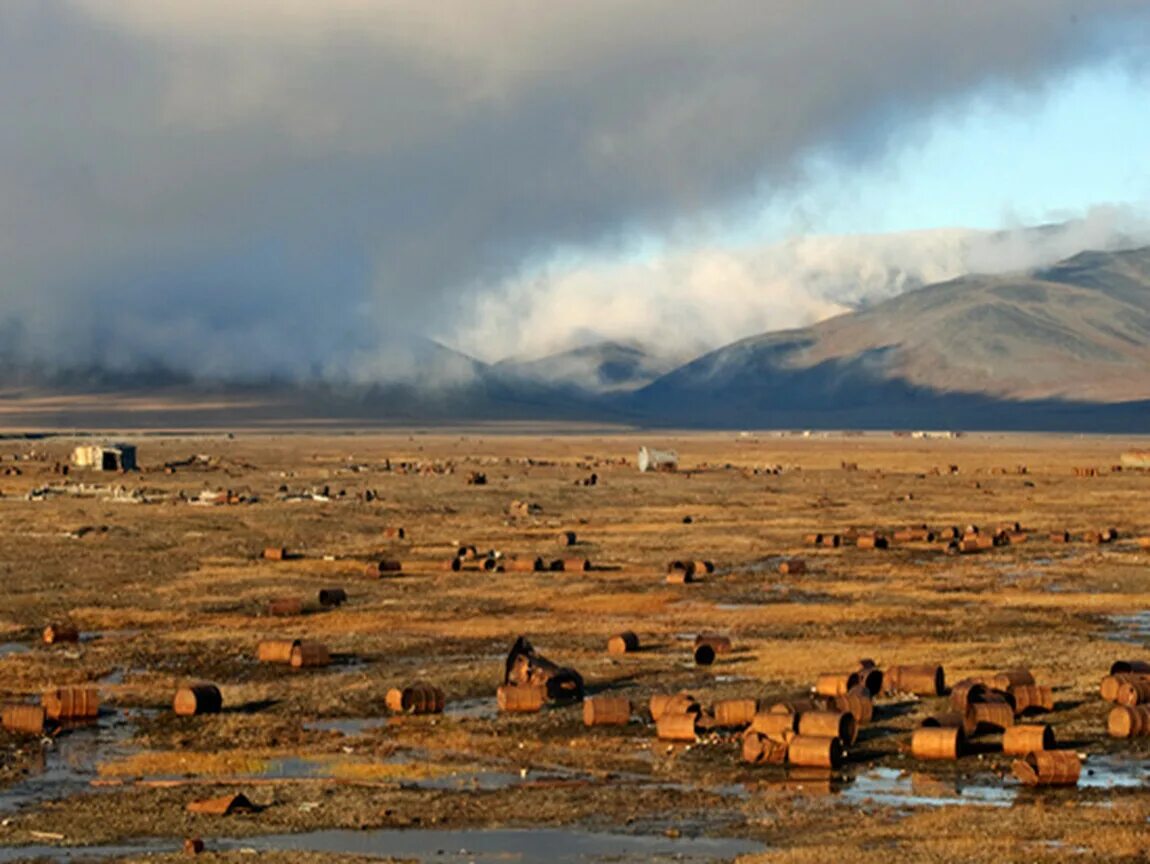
x,y
306,187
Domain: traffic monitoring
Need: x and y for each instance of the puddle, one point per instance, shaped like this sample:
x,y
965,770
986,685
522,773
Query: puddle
x,y
1114,772
7,648
351,727
1133,629
478,709
894,788
526,846
69,761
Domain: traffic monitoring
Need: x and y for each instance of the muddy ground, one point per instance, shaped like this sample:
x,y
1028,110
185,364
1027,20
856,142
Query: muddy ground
x,y
167,591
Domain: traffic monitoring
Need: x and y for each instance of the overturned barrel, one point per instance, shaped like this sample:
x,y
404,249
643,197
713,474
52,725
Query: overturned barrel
x,y
1031,698
198,699
815,752
524,565
331,597
677,727
285,607
673,703
417,698
780,727
1027,738
275,650
566,538
829,724
1048,768
1133,691
759,749
733,713
521,698
835,683
23,719
60,632
966,692
922,680
377,569
623,643
857,702
937,742
607,711
309,654
988,717
1128,721
1012,678
681,572
71,703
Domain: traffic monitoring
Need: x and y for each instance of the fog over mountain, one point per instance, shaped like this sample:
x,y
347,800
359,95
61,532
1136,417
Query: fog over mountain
x,y
290,189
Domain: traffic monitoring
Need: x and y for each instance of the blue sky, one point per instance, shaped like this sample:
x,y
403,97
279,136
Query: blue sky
x,y
994,161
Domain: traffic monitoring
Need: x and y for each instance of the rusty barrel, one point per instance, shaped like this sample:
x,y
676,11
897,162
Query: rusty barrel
x,y
922,680
731,713
566,538
1128,721
793,567
858,702
394,532
759,749
275,553
623,643
193,846
988,716
937,742
1027,738
1134,691
779,727
275,650
521,698
809,751
285,607
198,699
23,719
492,565
813,539
376,569
1031,698
576,565
60,632
677,727
835,683
702,568
966,692
1112,683
673,703
680,573
1011,678
607,711
1048,768
833,541
329,597
872,541
829,724
307,654
418,698
454,565
524,565
71,703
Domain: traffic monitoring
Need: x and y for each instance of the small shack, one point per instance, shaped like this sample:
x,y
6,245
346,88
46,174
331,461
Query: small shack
x,y
105,457
651,459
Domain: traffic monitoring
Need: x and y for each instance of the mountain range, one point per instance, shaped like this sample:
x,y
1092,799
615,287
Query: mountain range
x,y
1065,347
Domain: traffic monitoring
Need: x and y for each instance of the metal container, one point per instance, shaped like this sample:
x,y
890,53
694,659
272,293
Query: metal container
x,y
835,683
937,742
815,752
418,698
966,692
308,654
677,727
285,607
793,567
1026,738
759,749
1011,678
1048,768
60,632
857,702
1031,699
988,716
198,699
521,698
922,680
71,703
566,538
607,711
829,724
524,565
23,719
330,597
275,553
275,650
732,713
779,727
1134,691
1128,721
623,643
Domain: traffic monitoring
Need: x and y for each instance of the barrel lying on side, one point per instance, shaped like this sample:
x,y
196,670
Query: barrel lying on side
x,y
418,698
23,719
71,703
607,711
198,699
1048,768
623,643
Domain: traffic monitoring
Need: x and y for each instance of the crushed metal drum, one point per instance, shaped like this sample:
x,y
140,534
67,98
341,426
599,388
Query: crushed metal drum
x,y
759,749
525,666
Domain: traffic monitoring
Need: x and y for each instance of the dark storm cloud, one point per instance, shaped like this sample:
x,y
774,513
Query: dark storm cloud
x,y
278,185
